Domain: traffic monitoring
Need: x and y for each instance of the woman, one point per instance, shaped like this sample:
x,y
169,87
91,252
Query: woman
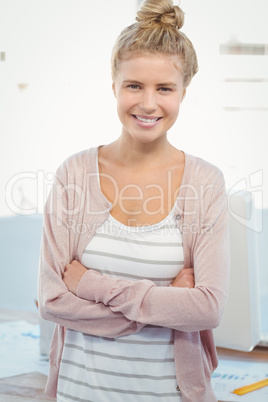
x,y
134,259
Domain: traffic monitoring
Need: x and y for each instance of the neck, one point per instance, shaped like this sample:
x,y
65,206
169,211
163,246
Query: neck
x,y
131,152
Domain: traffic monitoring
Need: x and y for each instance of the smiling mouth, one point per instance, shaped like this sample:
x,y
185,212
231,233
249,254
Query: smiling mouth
x,y
146,119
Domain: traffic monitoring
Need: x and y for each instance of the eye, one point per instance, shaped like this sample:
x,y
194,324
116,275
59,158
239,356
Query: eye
x,y
165,89
134,86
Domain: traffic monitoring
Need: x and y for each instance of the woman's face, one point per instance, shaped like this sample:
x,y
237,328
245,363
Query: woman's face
x,y
149,90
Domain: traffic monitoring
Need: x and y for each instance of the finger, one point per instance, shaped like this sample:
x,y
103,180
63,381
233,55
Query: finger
x,y
69,266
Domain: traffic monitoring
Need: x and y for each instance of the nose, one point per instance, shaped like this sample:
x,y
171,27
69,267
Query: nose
x,y
148,101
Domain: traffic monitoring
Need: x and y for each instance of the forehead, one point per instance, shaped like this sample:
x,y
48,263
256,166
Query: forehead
x,y
151,65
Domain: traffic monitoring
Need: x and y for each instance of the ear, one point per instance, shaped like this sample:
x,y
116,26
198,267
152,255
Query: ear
x,y
113,87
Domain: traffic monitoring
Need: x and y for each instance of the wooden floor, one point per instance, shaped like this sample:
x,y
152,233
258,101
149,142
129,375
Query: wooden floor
x,y
24,388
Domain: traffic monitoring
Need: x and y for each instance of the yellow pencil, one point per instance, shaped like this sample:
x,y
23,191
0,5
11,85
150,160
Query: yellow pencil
x,y
251,387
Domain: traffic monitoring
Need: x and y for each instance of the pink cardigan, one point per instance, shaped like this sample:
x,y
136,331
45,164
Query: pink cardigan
x,y
110,307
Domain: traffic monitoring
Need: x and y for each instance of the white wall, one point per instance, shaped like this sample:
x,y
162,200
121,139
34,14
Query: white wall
x,y
60,50
233,140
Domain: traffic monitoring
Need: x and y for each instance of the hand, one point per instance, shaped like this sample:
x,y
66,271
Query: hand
x,y
72,275
184,279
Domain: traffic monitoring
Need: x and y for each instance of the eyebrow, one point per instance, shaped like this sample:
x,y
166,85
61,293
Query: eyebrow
x,y
164,84
167,84
132,82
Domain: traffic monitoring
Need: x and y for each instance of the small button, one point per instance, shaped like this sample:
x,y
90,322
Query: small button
x,y
178,217
178,389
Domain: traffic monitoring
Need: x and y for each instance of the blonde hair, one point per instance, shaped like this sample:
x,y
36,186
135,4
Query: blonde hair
x,y
157,30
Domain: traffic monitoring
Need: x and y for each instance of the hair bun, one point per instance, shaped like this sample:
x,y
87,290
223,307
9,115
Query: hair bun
x,y
160,12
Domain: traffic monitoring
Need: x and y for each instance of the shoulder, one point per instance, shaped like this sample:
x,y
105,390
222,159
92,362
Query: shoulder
x,y
200,171
76,166
85,159
203,194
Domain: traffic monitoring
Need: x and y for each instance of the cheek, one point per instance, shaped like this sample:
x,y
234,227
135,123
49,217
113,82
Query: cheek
x,y
173,107
121,105
122,108
124,103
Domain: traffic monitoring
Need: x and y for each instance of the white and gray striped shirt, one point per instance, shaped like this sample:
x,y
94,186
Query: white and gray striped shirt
x,y
133,368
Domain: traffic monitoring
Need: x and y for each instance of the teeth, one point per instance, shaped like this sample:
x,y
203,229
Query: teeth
x,y
146,120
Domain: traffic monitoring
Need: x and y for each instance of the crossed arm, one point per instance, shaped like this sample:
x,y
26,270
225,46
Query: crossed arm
x,y
141,302
75,270
185,305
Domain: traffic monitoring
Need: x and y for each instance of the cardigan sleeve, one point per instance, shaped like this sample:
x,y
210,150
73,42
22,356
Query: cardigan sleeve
x,y
182,309
58,247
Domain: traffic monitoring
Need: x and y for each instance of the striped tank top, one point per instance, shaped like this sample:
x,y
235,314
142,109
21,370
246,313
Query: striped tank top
x,y
133,368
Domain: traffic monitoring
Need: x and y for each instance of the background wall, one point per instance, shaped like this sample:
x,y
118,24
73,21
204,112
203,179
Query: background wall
x,y
56,97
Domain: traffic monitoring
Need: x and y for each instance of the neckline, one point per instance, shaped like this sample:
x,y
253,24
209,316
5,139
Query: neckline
x,y
177,207
144,228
